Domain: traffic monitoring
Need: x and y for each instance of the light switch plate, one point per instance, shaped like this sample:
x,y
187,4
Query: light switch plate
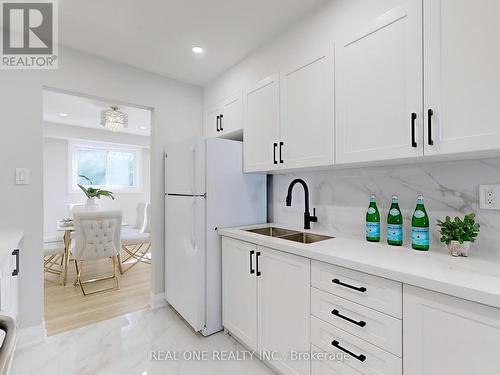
x,y
22,176
489,197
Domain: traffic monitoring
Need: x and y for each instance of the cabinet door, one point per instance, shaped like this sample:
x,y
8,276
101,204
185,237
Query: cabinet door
x,y
232,114
261,130
284,308
462,75
239,290
447,335
306,102
211,122
378,86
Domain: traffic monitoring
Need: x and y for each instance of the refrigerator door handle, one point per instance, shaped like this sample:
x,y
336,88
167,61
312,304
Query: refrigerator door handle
x,y
193,177
193,225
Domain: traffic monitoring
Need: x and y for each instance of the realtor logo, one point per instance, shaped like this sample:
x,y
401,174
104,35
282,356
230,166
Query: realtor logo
x,y
29,34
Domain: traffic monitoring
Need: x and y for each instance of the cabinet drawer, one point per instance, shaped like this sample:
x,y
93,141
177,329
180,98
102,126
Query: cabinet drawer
x,y
325,366
375,292
377,328
364,357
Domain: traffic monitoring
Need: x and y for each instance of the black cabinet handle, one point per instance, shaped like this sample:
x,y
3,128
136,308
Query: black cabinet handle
x,y
430,113
413,130
217,123
16,271
359,289
220,123
275,145
337,313
257,262
281,158
252,252
360,357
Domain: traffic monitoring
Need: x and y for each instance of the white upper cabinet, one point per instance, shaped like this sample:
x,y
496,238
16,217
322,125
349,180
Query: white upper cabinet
x,y
225,120
306,102
462,75
211,121
261,129
447,335
378,88
231,119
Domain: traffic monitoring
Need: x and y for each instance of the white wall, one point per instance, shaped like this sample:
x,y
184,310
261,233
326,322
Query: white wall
x,y
177,115
57,193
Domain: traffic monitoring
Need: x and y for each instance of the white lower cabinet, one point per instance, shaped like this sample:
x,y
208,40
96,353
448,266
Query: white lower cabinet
x,y
284,308
448,335
361,356
239,290
266,302
380,329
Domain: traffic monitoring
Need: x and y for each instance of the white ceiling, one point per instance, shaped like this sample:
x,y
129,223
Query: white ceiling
x,y
157,35
86,112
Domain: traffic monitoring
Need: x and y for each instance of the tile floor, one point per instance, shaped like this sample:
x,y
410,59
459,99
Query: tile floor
x,y
123,346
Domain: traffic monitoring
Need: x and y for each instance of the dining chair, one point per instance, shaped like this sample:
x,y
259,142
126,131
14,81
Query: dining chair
x,y
97,236
136,241
54,255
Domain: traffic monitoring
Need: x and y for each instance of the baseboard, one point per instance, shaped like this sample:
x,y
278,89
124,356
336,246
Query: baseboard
x,y
157,300
31,336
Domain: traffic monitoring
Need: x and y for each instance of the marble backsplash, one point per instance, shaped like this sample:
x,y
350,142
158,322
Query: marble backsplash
x,y
341,198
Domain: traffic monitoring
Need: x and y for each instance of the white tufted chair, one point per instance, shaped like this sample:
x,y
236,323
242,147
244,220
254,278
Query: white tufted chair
x,y
97,235
136,241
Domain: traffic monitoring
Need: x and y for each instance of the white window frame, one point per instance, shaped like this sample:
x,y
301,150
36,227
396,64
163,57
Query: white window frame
x,y
109,147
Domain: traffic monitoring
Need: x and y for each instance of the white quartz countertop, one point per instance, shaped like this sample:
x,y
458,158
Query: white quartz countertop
x,y
9,240
470,278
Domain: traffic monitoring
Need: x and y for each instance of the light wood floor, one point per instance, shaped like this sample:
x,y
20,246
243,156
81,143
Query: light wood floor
x,y
66,308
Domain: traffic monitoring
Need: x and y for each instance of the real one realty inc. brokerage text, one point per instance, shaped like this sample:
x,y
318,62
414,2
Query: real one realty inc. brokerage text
x,y
243,355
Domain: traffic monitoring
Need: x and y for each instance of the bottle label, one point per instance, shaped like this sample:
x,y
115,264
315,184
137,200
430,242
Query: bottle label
x,y
420,236
394,212
371,210
373,230
419,214
394,232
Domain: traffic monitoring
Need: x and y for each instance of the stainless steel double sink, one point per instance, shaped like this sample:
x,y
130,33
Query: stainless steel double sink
x,y
290,235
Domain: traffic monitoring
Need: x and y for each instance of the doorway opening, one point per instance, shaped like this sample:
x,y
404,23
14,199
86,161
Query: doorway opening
x,y
97,238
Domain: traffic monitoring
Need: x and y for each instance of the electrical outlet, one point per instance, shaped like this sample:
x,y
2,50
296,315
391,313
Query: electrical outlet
x,y
489,197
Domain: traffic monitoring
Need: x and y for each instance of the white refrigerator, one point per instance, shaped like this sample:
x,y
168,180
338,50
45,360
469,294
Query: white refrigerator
x,y
205,188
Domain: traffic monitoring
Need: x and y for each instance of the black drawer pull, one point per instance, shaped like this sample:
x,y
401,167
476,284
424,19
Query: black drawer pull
x,y
360,357
413,130
220,122
359,289
275,145
257,262
252,252
337,313
281,158
16,254
217,123
430,113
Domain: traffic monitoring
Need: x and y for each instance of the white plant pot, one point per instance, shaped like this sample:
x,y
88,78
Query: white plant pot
x,y
457,249
91,204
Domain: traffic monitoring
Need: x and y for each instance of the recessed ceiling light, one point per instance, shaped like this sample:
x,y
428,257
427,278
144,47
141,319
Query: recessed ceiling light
x,y
63,114
197,50
143,127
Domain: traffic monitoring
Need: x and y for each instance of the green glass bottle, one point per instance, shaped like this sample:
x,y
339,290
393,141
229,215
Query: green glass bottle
x,y
372,221
420,226
395,224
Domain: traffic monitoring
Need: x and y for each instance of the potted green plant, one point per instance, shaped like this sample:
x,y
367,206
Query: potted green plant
x,y
458,234
93,193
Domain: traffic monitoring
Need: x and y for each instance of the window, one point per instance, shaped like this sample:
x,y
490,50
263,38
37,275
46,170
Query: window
x,y
109,166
